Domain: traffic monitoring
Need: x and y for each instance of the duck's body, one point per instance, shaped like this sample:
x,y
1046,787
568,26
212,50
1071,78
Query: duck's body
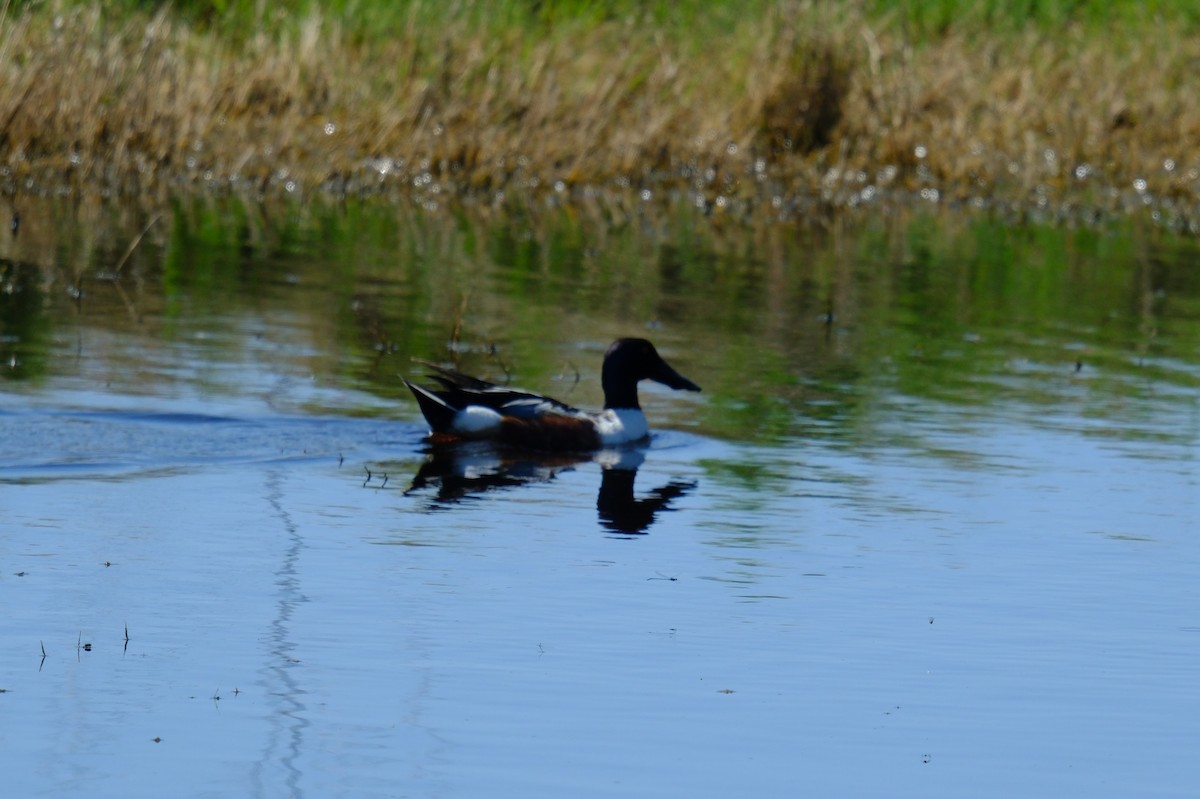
x,y
468,408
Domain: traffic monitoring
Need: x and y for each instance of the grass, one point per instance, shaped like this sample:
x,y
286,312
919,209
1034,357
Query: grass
x,y
775,105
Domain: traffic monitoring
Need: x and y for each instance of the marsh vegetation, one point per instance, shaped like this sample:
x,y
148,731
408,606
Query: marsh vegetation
x,y
767,108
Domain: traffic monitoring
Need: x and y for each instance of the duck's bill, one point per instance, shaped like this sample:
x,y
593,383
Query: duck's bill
x,y
672,379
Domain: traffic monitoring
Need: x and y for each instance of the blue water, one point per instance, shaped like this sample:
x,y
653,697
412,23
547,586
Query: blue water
x,y
929,531
1008,609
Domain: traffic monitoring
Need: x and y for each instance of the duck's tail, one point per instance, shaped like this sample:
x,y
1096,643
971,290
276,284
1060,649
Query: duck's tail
x,y
436,411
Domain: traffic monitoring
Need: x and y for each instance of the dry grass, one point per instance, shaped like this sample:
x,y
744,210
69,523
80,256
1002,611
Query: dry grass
x,y
795,107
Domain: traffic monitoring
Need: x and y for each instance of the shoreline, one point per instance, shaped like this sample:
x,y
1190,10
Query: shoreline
x,y
809,111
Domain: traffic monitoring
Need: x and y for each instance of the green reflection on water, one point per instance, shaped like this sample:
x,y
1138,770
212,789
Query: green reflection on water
x,y
794,332
24,324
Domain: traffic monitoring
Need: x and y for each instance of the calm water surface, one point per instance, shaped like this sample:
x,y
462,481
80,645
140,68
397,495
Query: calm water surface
x,y
931,529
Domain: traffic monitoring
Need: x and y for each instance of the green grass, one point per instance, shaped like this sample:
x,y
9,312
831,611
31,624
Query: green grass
x,y
927,18
934,17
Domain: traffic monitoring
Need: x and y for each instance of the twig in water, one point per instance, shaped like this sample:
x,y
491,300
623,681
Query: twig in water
x,y
133,244
129,306
503,366
456,333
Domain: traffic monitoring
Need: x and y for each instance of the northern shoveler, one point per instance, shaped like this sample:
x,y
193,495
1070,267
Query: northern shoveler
x,y
468,408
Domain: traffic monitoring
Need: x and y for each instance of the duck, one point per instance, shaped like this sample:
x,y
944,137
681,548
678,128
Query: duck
x,y
467,408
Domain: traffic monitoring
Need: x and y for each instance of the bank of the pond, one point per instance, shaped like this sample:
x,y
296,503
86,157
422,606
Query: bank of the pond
x,y
776,108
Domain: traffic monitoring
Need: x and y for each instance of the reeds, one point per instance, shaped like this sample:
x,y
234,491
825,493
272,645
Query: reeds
x,y
792,105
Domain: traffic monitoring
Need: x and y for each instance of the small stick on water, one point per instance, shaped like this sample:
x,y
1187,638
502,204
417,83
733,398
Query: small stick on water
x,y
133,244
385,479
661,576
368,471
456,333
43,643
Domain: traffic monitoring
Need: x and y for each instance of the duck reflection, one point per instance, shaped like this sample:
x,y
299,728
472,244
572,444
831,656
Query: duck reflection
x,y
458,471
466,469
622,512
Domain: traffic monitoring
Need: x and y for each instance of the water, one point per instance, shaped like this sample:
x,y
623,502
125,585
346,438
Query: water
x,y
929,530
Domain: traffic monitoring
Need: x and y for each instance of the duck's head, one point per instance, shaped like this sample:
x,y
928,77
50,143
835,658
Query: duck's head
x,y
631,360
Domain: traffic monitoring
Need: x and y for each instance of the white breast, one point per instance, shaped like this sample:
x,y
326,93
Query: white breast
x,y
621,426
